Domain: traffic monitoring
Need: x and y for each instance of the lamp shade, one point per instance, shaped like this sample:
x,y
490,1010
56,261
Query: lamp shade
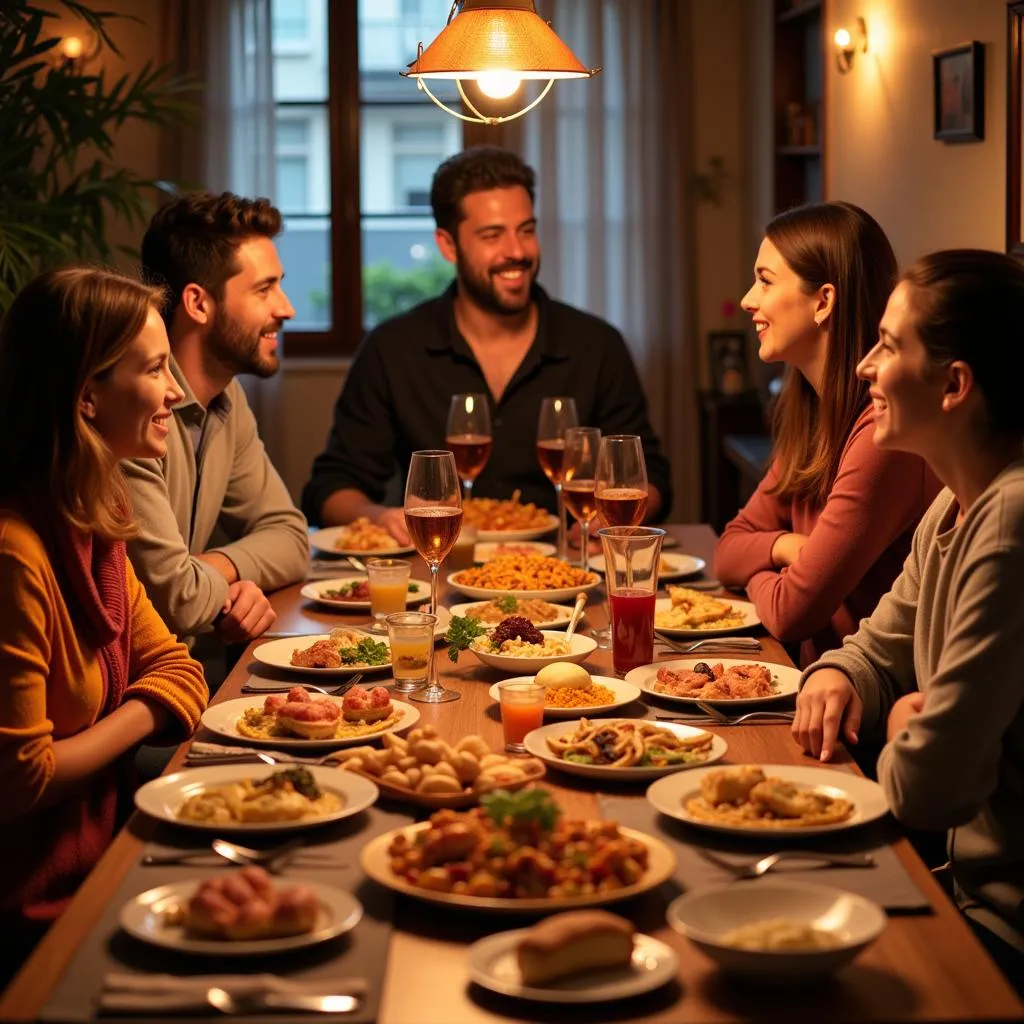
x,y
485,37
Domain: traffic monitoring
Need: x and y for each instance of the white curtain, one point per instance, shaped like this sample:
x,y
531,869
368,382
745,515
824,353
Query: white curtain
x,y
612,156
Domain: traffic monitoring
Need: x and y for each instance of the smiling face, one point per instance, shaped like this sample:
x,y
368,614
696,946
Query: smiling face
x,y
253,308
783,311
495,249
129,406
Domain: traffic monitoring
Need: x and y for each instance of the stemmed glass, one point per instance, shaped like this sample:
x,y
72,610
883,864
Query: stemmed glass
x,y
578,479
433,517
557,415
621,481
468,436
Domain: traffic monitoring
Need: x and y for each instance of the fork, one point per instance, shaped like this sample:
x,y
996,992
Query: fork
x,y
762,865
719,716
771,716
216,753
334,691
737,643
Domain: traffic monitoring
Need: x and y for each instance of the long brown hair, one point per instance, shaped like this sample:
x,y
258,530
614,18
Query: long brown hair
x,y
63,329
838,244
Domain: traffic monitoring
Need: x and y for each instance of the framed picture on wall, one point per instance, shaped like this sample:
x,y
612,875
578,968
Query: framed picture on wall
x,y
958,82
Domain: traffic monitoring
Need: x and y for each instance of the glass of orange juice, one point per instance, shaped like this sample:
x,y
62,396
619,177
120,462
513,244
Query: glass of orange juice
x,y
522,711
412,646
388,579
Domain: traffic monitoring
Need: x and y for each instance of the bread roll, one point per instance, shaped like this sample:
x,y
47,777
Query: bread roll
x,y
564,674
573,943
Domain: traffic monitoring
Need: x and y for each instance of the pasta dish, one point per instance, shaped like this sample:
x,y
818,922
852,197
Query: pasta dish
x,y
495,514
362,535
289,795
629,744
524,572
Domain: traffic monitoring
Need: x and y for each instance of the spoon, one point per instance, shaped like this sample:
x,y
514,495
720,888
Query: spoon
x,y
577,613
356,564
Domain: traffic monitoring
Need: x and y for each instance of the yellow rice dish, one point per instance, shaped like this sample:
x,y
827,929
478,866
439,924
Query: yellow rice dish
x,y
257,724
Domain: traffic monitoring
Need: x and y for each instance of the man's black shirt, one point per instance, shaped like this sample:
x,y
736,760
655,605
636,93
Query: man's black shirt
x,y
395,401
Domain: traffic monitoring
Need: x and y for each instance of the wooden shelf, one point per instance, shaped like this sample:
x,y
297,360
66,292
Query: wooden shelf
x,y
800,11
804,151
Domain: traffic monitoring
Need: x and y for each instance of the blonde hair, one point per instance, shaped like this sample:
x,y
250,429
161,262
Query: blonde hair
x,y
65,328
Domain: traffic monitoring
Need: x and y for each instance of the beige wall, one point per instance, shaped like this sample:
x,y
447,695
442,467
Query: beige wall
x,y
880,151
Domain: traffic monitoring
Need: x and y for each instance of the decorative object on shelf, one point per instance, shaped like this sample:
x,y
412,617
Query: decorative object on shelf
x,y
848,46
498,44
801,124
958,76
727,354
1014,136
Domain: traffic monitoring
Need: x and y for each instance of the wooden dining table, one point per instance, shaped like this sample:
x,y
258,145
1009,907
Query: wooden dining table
x,y
924,967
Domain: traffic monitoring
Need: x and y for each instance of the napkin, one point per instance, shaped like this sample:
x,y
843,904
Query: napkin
x,y
168,993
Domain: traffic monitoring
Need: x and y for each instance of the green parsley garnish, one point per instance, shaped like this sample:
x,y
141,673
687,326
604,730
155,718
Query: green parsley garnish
x,y
462,631
506,604
525,807
368,651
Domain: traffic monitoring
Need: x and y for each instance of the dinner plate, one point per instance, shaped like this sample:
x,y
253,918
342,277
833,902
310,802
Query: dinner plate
x,y
536,744
786,679
143,918
493,964
554,595
676,565
222,718
624,693
315,592
325,540
744,608
278,654
162,797
580,648
495,549
376,862
563,618
508,535
669,795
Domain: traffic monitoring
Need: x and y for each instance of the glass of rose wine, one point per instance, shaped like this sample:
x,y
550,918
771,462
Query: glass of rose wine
x,y
578,470
469,436
433,517
557,415
621,481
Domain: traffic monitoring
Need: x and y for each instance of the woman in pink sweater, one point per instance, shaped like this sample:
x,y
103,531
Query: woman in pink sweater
x,y
828,528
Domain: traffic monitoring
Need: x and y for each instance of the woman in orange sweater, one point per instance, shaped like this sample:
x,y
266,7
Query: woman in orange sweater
x,y
827,530
87,668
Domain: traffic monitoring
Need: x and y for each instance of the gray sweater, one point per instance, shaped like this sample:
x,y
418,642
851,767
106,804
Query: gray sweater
x,y
953,627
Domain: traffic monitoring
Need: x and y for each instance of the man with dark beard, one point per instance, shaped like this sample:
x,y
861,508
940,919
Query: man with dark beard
x,y
493,331
217,527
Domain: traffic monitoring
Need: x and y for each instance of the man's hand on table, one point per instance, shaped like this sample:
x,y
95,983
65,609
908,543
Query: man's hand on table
x,y
246,615
825,702
393,520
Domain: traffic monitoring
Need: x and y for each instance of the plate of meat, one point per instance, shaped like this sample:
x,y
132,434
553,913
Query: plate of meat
x,y
341,652
725,682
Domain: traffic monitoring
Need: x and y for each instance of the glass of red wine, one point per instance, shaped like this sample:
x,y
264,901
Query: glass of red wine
x,y
433,517
557,415
578,469
621,481
468,436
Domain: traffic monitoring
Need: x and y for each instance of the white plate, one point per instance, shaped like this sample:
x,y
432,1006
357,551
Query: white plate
x,y
324,541
744,608
670,795
314,592
676,566
536,744
580,648
278,654
510,535
143,916
488,593
492,549
162,797
493,965
624,693
221,718
785,677
563,619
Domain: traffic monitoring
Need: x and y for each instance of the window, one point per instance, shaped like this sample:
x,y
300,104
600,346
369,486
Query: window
x,y
351,265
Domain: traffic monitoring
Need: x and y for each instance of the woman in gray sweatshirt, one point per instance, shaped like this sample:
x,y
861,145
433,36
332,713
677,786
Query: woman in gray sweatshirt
x,y
937,670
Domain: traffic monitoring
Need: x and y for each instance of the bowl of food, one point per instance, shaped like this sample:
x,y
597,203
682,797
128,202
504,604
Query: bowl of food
x,y
571,691
516,645
780,931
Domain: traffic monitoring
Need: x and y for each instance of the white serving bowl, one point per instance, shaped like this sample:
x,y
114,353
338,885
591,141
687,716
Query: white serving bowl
x,y
706,915
580,648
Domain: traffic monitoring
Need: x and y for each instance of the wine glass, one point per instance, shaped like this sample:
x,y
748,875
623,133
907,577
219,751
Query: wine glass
x,y
433,517
578,469
621,481
468,436
556,416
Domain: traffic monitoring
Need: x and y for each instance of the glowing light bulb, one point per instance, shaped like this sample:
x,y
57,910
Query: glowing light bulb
x,y
842,39
72,47
499,85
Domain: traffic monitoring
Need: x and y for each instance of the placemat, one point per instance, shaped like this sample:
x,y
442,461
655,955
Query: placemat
x,y
331,857
887,883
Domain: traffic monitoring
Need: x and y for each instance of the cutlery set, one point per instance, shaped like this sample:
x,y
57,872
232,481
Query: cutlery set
x,y
283,686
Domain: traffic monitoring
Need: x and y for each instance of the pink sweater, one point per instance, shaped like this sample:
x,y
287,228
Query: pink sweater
x,y
855,549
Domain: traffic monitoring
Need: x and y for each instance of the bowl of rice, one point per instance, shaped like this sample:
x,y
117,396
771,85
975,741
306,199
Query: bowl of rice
x,y
529,650
605,693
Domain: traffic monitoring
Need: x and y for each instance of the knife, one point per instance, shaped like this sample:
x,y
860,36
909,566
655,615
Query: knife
x,y
257,1002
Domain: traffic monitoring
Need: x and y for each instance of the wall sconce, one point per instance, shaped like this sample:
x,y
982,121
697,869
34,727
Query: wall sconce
x,y
498,44
846,47
77,51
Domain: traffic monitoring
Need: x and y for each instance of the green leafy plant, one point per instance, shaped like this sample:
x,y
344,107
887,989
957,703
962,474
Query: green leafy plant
x,y
388,290
462,631
61,183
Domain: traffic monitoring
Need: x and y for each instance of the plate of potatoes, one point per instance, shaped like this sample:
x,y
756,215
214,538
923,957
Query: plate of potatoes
x,y
421,768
